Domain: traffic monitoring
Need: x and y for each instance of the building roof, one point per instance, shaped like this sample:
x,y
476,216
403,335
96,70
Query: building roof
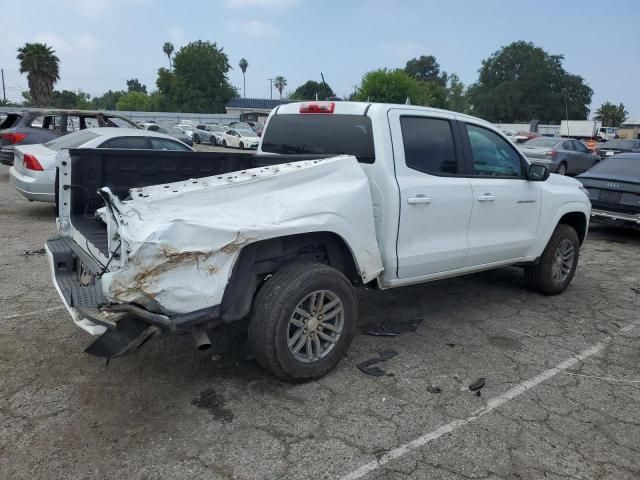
x,y
632,122
258,103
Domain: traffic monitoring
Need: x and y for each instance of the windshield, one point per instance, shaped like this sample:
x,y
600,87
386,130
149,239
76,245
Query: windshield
x,y
246,133
618,167
619,144
541,142
320,134
73,140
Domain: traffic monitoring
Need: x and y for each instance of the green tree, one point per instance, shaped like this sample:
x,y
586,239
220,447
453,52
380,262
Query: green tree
x,y
108,100
134,102
521,82
134,85
390,86
426,69
199,80
310,90
433,95
69,99
280,82
457,99
243,64
167,48
611,115
42,67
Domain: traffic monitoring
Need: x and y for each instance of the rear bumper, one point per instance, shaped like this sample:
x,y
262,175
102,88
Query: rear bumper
x,y
609,216
38,189
6,156
90,310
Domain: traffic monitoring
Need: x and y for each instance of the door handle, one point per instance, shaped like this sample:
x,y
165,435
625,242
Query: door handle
x,y
418,200
486,197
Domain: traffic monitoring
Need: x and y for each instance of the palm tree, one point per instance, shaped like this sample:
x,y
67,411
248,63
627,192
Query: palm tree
x,y
167,48
42,67
243,64
280,82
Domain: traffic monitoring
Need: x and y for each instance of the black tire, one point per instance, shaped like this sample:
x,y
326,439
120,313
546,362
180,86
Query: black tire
x,y
562,169
196,139
224,143
274,305
241,146
540,277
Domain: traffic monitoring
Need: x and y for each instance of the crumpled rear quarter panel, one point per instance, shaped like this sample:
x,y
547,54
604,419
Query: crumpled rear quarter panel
x,y
181,240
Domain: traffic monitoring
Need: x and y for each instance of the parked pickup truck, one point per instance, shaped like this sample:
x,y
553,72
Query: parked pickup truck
x,y
339,196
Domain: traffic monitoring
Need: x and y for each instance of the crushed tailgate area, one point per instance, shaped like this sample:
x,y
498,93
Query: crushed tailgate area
x,y
474,377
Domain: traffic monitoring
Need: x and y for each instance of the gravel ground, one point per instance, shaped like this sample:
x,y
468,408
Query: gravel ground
x,y
561,399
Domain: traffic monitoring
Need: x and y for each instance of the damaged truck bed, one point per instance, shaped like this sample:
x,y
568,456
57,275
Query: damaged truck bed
x,y
135,259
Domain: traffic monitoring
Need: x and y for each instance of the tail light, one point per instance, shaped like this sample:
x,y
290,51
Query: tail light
x,y
30,162
14,137
317,107
551,153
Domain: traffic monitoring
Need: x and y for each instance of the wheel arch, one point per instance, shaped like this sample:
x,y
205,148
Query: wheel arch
x,y
578,221
259,259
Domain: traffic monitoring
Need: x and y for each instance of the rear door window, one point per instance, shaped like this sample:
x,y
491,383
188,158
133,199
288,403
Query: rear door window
x,y
130,143
320,134
11,120
579,147
568,146
49,122
428,145
166,144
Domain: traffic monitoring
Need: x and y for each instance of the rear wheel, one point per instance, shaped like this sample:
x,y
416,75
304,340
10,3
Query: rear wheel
x,y
241,146
557,265
562,169
196,139
302,321
224,143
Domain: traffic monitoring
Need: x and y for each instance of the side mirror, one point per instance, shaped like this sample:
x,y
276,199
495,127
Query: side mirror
x,y
538,172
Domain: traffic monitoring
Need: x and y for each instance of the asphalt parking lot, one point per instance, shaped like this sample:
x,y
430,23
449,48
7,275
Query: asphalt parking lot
x,y
561,396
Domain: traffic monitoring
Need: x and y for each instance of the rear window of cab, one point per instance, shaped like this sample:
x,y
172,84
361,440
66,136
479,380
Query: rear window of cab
x,y
320,134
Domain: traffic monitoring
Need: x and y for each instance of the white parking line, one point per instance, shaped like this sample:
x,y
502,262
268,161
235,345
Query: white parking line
x,y
491,405
28,314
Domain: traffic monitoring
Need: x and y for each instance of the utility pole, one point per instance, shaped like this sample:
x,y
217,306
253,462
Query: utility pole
x,y
4,94
270,88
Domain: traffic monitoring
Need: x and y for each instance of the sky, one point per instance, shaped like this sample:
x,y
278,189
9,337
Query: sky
x,y
102,43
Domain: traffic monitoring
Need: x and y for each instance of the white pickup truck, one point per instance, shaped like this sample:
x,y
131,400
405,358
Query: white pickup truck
x,y
340,195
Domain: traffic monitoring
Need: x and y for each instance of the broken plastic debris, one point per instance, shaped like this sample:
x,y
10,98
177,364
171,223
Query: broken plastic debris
x,y
450,345
433,388
368,366
39,251
477,385
392,328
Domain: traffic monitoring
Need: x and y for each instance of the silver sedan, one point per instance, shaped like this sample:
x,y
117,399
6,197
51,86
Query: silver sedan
x,y
564,156
33,172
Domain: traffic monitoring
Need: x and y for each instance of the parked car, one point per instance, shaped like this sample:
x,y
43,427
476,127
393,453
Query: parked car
x,y
33,174
386,196
563,156
618,146
217,133
27,127
204,133
242,125
185,128
173,131
614,189
241,138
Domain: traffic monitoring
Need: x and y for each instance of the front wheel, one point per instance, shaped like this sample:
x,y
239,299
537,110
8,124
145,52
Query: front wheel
x,y
302,321
224,143
196,139
557,265
241,146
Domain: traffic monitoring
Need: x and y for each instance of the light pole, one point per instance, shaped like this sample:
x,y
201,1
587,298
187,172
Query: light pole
x,y
270,88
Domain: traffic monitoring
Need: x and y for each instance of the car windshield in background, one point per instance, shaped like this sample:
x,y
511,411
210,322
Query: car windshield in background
x,y
541,142
619,144
618,167
246,133
73,140
320,134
